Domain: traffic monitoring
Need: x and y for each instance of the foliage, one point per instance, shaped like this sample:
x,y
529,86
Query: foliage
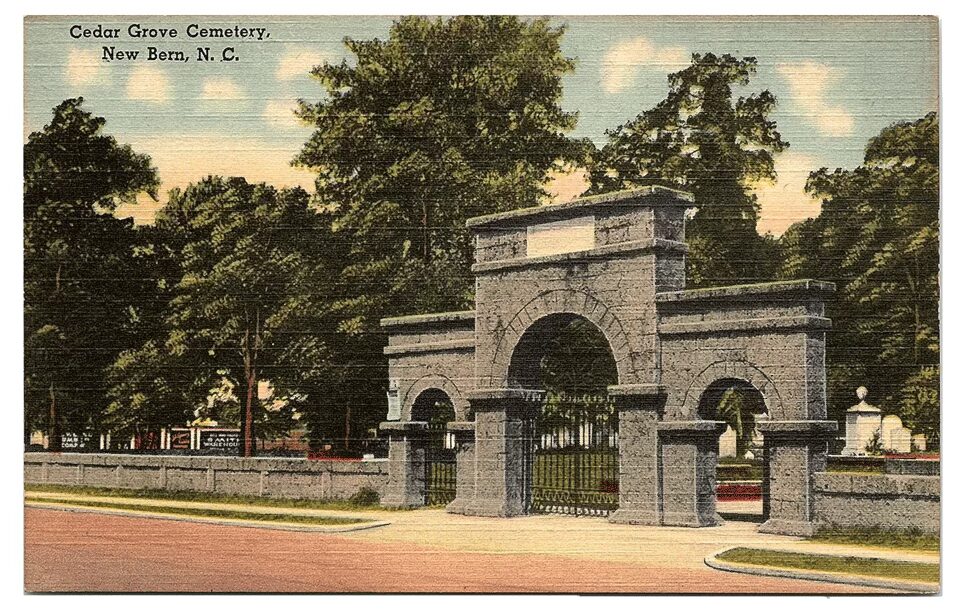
x,y
701,140
577,361
874,445
920,404
276,415
87,291
144,393
364,497
878,238
236,308
446,119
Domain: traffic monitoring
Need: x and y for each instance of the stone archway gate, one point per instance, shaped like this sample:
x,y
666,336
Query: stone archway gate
x,y
616,260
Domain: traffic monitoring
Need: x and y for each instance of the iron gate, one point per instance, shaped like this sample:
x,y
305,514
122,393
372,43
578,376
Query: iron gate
x,y
575,457
440,457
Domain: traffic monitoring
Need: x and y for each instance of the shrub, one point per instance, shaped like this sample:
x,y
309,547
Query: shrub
x,y
364,497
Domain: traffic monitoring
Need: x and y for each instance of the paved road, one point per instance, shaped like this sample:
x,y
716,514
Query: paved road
x,y
69,551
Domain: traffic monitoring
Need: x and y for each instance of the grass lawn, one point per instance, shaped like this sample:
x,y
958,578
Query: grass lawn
x,y
880,537
217,514
874,567
204,497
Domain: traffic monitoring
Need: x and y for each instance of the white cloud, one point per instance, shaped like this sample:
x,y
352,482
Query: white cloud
x,y
279,113
784,202
220,89
182,159
298,63
150,84
84,67
808,82
623,61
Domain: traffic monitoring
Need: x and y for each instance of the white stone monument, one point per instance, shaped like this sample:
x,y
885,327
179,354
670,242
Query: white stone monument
x,y
728,443
756,439
863,422
893,436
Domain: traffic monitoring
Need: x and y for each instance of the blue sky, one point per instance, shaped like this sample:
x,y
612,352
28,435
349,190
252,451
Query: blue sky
x,y
838,82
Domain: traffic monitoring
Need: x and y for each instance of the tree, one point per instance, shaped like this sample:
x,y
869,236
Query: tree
x,y
444,120
879,240
701,140
148,388
82,286
739,406
245,248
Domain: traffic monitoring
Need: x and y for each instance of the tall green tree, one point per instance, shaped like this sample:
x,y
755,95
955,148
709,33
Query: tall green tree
x,y
148,388
878,237
83,287
703,139
446,119
245,248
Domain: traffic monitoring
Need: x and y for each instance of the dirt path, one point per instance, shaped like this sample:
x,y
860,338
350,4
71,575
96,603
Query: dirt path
x,y
94,552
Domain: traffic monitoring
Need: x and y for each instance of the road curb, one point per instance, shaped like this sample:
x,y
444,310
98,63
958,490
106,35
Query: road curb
x,y
818,576
303,528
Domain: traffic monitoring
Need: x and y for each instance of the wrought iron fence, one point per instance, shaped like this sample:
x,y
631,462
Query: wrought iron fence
x,y
575,457
440,456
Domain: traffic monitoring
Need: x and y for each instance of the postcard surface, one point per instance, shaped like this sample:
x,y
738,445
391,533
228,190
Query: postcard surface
x,y
485,304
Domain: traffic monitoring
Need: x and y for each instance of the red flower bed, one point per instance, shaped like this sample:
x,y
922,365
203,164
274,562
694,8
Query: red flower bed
x,y
325,455
739,492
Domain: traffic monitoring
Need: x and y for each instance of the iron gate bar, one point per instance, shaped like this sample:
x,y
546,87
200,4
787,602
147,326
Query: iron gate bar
x,y
440,461
575,457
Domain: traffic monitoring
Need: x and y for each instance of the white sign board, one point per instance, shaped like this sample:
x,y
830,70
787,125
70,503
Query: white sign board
x,y
554,238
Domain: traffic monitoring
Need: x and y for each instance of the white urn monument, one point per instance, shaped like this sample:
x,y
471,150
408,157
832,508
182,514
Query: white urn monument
x,y
862,425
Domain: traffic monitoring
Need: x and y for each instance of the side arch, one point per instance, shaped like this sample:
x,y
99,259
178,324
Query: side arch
x,y
566,301
742,370
444,384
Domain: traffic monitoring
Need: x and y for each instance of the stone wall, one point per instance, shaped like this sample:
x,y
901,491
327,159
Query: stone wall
x,y
896,502
279,477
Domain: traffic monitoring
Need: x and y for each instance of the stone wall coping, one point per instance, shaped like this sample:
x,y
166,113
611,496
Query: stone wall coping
x,y
801,322
804,287
427,319
461,426
701,425
217,463
646,196
915,486
403,426
907,466
801,426
600,252
636,390
515,393
430,347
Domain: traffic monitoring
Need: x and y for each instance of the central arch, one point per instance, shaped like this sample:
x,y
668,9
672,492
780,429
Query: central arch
x,y
559,305
573,448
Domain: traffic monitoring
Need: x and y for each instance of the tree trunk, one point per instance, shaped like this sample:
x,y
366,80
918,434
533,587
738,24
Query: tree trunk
x,y
346,431
54,442
249,400
251,346
426,233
